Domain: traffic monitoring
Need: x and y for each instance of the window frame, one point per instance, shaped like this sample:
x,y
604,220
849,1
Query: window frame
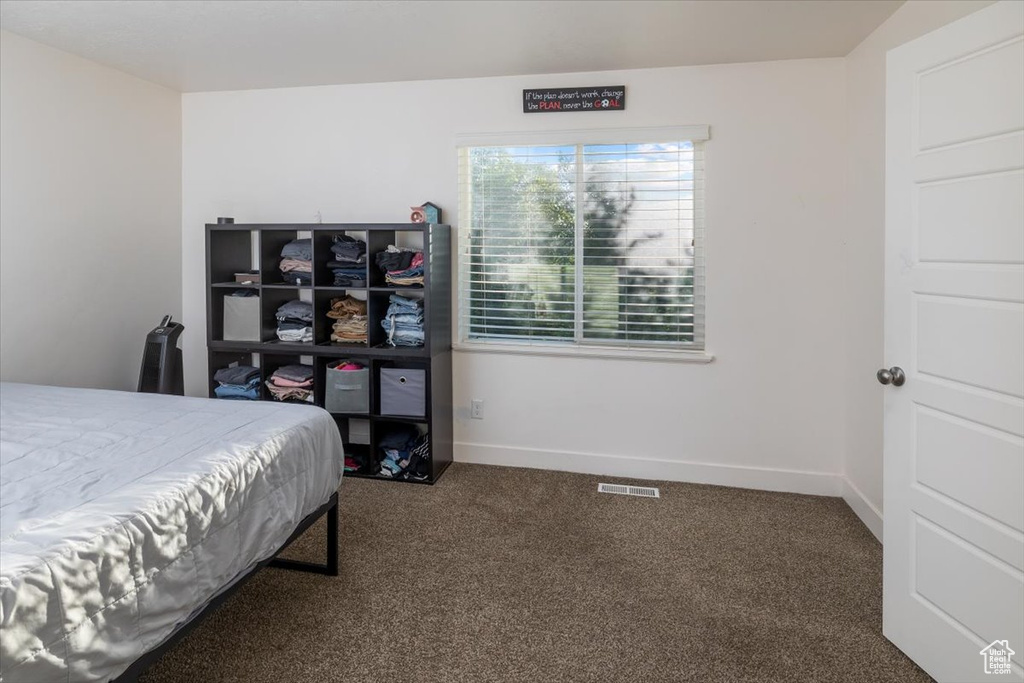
x,y
579,346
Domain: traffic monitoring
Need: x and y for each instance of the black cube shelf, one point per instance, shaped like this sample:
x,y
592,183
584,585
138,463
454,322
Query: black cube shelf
x,y
236,248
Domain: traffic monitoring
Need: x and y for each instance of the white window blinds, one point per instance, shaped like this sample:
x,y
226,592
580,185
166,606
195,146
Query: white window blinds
x,y
629,213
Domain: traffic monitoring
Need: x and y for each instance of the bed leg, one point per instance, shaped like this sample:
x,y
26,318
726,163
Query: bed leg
x,y
329,569
332,539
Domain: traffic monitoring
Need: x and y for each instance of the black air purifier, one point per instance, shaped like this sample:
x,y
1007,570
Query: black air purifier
x,y
161,361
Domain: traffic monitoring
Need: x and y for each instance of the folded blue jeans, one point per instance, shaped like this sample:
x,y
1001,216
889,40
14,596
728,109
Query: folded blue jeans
x,y
403,301
250,391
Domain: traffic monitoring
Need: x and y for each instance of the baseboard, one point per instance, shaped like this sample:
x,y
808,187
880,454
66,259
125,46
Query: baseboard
x,y
766,479
863,508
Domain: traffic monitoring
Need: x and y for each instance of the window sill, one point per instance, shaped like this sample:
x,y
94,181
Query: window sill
x,y
611,352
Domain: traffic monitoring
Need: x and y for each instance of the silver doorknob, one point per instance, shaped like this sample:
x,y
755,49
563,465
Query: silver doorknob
x,y
893,375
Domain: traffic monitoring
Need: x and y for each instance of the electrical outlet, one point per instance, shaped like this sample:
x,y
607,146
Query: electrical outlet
x,y
477,409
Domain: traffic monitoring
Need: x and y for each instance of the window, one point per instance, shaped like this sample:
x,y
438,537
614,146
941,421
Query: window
x,y
630,213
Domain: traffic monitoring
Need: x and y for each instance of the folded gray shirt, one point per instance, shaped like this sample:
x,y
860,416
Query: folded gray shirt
x,y
298,249
295,373
298,309
239,375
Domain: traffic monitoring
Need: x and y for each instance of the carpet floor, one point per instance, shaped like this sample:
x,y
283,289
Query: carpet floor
x,y
503,574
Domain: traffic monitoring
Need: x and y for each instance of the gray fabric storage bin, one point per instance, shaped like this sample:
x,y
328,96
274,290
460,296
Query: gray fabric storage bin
x,y
359,431
347,391
403,391
241,318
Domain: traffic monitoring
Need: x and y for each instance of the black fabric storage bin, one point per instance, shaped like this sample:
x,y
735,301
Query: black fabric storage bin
x,y
347,391
241,318
403,391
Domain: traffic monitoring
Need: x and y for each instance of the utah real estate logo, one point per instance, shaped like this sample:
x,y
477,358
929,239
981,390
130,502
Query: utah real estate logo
x,y
997,657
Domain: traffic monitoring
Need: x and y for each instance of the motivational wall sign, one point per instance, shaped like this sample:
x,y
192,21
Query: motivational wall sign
x,y
600,98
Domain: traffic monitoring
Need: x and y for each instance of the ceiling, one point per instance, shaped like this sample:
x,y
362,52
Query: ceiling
x,y
194,45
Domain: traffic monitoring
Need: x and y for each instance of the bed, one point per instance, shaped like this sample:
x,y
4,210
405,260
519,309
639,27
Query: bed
x,y
124,516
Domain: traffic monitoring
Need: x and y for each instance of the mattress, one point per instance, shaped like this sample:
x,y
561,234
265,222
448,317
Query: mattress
x,y
122,515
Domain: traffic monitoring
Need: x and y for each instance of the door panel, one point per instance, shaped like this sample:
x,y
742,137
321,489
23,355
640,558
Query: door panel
x,y
954,321
977,96
987,155
943,559
948,210
963,340
971,463
1000,541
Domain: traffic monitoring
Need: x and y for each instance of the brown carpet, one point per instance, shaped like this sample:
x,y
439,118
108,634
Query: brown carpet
x,y
501,574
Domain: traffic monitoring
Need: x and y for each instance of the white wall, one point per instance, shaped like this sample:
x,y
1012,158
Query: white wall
x,y
863,300
90,216
767,412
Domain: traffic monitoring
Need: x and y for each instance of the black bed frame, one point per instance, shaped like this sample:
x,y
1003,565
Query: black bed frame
x,y
330,508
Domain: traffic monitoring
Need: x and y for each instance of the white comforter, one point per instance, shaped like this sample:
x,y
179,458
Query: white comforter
x,y
122,514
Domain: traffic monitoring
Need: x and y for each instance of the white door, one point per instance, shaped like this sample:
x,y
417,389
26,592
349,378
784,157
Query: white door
x,y
954,324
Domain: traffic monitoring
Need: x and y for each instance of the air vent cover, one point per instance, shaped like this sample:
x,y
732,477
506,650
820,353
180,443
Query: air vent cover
x,y
642,491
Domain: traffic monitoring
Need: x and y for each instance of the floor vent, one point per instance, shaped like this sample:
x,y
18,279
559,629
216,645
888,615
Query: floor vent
x,y
642,491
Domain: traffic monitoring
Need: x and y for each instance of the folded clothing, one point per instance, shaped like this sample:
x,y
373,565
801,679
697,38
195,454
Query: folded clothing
x,y
348,249
350,322
346,306
294,320
352,331
239,374
297,309
395,258
402,267
302,335
297,262
297,278
406,278
300,249
285,382
298,372
404,322
346,275
289,393
349,264
241,382
241,293
249,391
289,264
292,383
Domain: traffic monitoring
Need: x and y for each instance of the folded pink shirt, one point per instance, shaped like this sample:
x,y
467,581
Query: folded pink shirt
x,y
282,382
